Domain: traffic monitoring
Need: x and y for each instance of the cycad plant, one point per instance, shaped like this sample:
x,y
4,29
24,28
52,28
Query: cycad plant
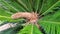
x,y
48,16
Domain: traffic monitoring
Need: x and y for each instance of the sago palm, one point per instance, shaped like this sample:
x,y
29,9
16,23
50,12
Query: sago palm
x,y
43,16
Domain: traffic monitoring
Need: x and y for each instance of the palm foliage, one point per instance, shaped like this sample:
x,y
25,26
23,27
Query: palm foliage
x,y
48,10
